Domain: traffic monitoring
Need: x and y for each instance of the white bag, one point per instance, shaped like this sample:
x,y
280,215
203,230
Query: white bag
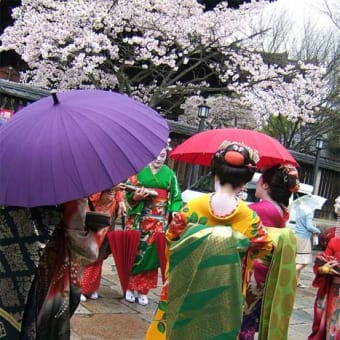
x,y
315,240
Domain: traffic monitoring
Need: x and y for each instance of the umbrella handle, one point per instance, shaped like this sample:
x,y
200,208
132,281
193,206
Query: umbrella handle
x,y
123,222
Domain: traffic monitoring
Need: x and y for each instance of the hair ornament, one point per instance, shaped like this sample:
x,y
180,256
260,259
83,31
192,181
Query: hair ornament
x,y
290,170
296,187
168,145
234,158
237,148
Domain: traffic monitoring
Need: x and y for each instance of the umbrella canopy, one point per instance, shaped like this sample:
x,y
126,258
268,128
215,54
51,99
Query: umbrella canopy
x,y
76,143
201,147
124,246
306,204
161,249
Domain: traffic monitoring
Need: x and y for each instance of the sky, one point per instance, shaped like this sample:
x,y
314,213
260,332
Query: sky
x,y
300,12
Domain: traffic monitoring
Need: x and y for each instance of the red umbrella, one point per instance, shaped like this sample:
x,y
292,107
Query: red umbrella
x,y
161,247
124,246
200,148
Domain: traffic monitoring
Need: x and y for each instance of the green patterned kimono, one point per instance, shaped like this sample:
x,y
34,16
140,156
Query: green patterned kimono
x,y
242,221
280,288
205,283
151,216
197,259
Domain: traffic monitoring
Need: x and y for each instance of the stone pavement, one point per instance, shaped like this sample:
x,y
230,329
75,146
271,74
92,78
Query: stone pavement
x,y
112,318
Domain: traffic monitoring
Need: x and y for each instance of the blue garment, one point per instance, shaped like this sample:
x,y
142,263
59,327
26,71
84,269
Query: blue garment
x,y
304,226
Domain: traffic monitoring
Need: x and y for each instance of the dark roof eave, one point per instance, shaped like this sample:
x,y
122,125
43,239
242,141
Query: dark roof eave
x,y
22,91
310,159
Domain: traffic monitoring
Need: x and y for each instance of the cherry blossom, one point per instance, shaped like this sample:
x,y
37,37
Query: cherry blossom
x,y
172,55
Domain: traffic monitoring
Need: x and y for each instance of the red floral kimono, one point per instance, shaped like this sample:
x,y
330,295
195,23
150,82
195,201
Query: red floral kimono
x,y
326,322
105,201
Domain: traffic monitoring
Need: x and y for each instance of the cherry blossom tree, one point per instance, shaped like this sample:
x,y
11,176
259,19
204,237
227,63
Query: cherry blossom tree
x,y
169,54
313,39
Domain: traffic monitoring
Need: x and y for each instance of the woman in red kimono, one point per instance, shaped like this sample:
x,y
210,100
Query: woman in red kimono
x,y
326,322
111,202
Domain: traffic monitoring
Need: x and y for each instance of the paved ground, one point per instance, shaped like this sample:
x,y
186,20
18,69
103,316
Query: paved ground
x,y
112,318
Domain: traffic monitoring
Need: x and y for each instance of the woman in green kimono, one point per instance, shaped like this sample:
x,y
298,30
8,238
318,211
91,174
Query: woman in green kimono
x,y
151,205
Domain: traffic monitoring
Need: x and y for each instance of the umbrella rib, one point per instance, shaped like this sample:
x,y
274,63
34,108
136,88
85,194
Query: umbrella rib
x,y
90,141
126,131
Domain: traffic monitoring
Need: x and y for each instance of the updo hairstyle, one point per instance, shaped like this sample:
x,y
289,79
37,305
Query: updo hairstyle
x,y
282,181
233,164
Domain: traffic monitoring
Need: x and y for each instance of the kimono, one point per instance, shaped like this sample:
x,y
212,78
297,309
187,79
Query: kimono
x,y
269,214
43,251
326,321
150,217
270,217
241,223
105,201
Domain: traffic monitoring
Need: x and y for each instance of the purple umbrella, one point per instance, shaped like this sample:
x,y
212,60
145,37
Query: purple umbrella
x,y
75,143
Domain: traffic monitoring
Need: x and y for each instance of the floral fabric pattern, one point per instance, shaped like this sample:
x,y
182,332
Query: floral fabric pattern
x,y
52,246
23,235
326,321
151,216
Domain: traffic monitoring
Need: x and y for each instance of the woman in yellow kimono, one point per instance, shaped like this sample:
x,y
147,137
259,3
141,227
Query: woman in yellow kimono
x,y
184,311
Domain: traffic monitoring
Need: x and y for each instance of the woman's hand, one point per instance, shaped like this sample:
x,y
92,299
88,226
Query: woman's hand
x,y
141,194
329,268
120,186
106,198
177,225
121,209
